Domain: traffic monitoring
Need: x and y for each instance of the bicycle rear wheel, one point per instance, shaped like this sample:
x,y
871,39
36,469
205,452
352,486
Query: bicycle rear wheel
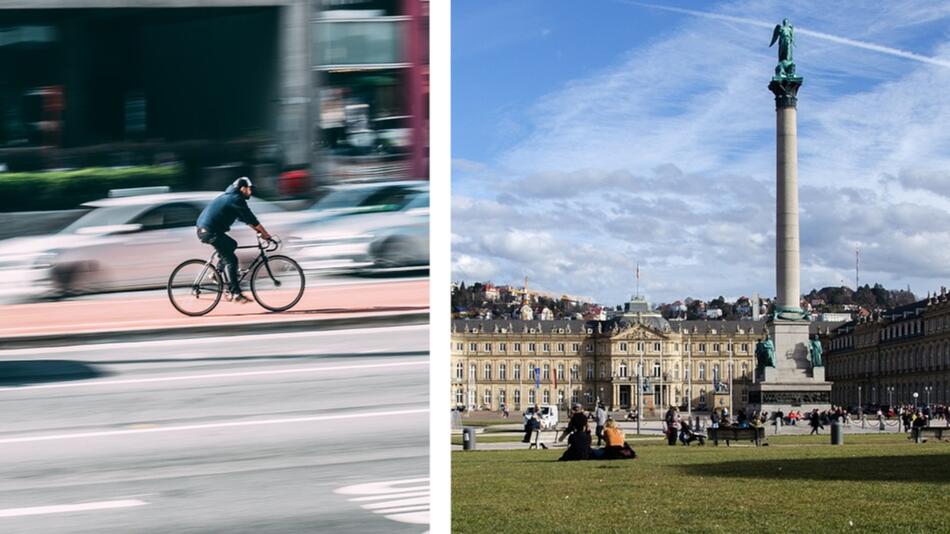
x,y
195,287
277,283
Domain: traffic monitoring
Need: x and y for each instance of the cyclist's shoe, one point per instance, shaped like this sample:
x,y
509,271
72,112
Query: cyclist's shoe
x,y
239,298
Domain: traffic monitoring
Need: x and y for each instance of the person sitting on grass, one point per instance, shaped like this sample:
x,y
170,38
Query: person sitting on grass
x,y
616,448
578,445
577,423
687,436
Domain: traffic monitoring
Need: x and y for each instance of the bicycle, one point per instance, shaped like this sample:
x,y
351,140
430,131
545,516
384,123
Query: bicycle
x,y
277,282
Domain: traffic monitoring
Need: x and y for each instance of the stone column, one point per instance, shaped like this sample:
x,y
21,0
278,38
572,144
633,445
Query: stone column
x,y
787,278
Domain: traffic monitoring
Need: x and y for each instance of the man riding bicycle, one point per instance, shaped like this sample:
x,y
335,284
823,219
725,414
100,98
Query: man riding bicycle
x,y
216,219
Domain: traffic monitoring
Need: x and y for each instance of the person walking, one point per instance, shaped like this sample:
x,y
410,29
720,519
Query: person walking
x,y
601,416
815,421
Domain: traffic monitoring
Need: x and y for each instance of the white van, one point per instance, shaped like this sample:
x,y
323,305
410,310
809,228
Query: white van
x,y
549,416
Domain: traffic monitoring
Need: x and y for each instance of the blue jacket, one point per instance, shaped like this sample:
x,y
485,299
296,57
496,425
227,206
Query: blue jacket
x,y
220,214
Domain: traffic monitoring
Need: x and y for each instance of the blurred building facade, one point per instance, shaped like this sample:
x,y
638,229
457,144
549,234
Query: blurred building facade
x,y
493,361
886,358
335,88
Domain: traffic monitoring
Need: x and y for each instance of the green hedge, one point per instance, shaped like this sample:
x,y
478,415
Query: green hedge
x,y
53,190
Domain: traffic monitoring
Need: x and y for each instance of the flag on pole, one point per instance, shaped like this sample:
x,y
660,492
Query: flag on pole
x,y
555,377
537,377
638,271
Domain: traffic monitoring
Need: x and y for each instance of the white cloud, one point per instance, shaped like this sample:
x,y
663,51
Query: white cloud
x,y
667,159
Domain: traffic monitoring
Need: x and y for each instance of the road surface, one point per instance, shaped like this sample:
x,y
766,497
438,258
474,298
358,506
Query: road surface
x,y
292,432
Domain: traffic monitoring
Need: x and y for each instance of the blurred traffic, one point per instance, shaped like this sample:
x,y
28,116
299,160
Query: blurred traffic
x,y
133,239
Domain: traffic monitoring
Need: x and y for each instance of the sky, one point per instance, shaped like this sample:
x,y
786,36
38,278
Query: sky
x,y
590,137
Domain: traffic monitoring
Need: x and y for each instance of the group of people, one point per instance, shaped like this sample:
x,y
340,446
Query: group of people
x,y
580,441
678,429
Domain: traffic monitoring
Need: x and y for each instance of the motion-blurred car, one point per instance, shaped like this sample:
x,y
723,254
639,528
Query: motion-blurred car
x,y
124,243
354,240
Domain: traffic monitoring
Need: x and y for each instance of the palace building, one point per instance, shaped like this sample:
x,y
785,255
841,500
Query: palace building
x,y
886,358
519,363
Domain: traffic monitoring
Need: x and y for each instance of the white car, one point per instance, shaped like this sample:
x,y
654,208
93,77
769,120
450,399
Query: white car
x,y
123,243
549,416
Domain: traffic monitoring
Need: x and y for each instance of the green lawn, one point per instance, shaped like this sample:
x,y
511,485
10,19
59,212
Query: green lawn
x,y
875,483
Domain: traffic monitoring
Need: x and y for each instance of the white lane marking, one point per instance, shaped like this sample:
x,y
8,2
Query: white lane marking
x,y
65,508
408,499
211,340
214,375
181,428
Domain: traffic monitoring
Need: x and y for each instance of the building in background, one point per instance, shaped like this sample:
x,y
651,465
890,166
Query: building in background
x,y
683,362
331,89
886,358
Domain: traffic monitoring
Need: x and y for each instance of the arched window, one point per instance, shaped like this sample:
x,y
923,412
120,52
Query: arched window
x,y
715,371
676,372
603,371
459,372
486,398
745,370
472,371
459,396
622,370
517,399
656,369
502,371
532,397
547,397
487,371
517,371
702,371
501,397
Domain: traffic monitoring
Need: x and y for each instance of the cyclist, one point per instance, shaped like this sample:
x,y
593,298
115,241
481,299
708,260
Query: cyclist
x,y
216,219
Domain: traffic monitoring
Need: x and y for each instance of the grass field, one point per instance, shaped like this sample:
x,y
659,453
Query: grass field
x,y
873,483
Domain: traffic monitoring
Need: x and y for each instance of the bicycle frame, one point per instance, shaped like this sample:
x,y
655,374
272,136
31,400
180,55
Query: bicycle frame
x,y
261,258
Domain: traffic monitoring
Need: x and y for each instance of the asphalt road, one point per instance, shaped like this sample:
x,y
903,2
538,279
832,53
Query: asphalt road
x,y
298,432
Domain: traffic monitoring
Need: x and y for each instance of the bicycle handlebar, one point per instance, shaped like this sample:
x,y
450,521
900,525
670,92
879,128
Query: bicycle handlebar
x,y
272,244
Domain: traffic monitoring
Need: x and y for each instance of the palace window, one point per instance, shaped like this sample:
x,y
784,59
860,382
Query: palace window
x,y
460,346
486,398
560,371
473,347
547,347
517,347
590,371
622,370
623,347
702,347
575,347
702,396
590,347
745,370
639,346
459,396
517,371
517,399
487,347
560,396
574,395
532,347
656,369
744,347
715,372
502,371
702,371
560,347
547,372
603,371
487,371
715,347
459,371
589,396
547,397
532,398
501,396
575,372
472,371
502,347
676,372
656,347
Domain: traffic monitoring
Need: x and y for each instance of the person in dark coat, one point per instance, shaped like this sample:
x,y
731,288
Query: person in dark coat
x,y
577,423
578,445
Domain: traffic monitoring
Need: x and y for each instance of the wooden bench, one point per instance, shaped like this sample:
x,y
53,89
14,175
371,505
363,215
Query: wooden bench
x,y
753,434
937,432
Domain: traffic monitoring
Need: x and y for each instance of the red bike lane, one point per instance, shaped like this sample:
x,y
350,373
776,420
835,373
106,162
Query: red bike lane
x,y
156,312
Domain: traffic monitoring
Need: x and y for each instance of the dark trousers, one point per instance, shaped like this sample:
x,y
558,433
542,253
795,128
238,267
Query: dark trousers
x,y
600,434
225,247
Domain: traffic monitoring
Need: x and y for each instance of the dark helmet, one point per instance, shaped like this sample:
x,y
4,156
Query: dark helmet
x,y
243,181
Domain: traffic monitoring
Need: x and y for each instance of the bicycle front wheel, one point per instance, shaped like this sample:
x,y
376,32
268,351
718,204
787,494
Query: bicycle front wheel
x,y
277,283
195,287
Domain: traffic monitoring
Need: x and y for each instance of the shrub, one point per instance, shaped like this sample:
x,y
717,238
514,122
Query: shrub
x,y
52,190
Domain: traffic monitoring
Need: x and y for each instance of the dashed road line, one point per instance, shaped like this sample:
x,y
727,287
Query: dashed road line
x,y
405,501
68,508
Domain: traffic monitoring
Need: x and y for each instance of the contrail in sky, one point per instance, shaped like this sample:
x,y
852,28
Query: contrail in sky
x,y
827,37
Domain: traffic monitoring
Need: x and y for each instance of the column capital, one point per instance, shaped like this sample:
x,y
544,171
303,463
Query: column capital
x,y
786,91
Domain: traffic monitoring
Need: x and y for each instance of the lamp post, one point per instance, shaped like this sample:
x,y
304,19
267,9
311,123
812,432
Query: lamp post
x,y
890,397
689,379
927,389
729,347
859,399
639,394
915,400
